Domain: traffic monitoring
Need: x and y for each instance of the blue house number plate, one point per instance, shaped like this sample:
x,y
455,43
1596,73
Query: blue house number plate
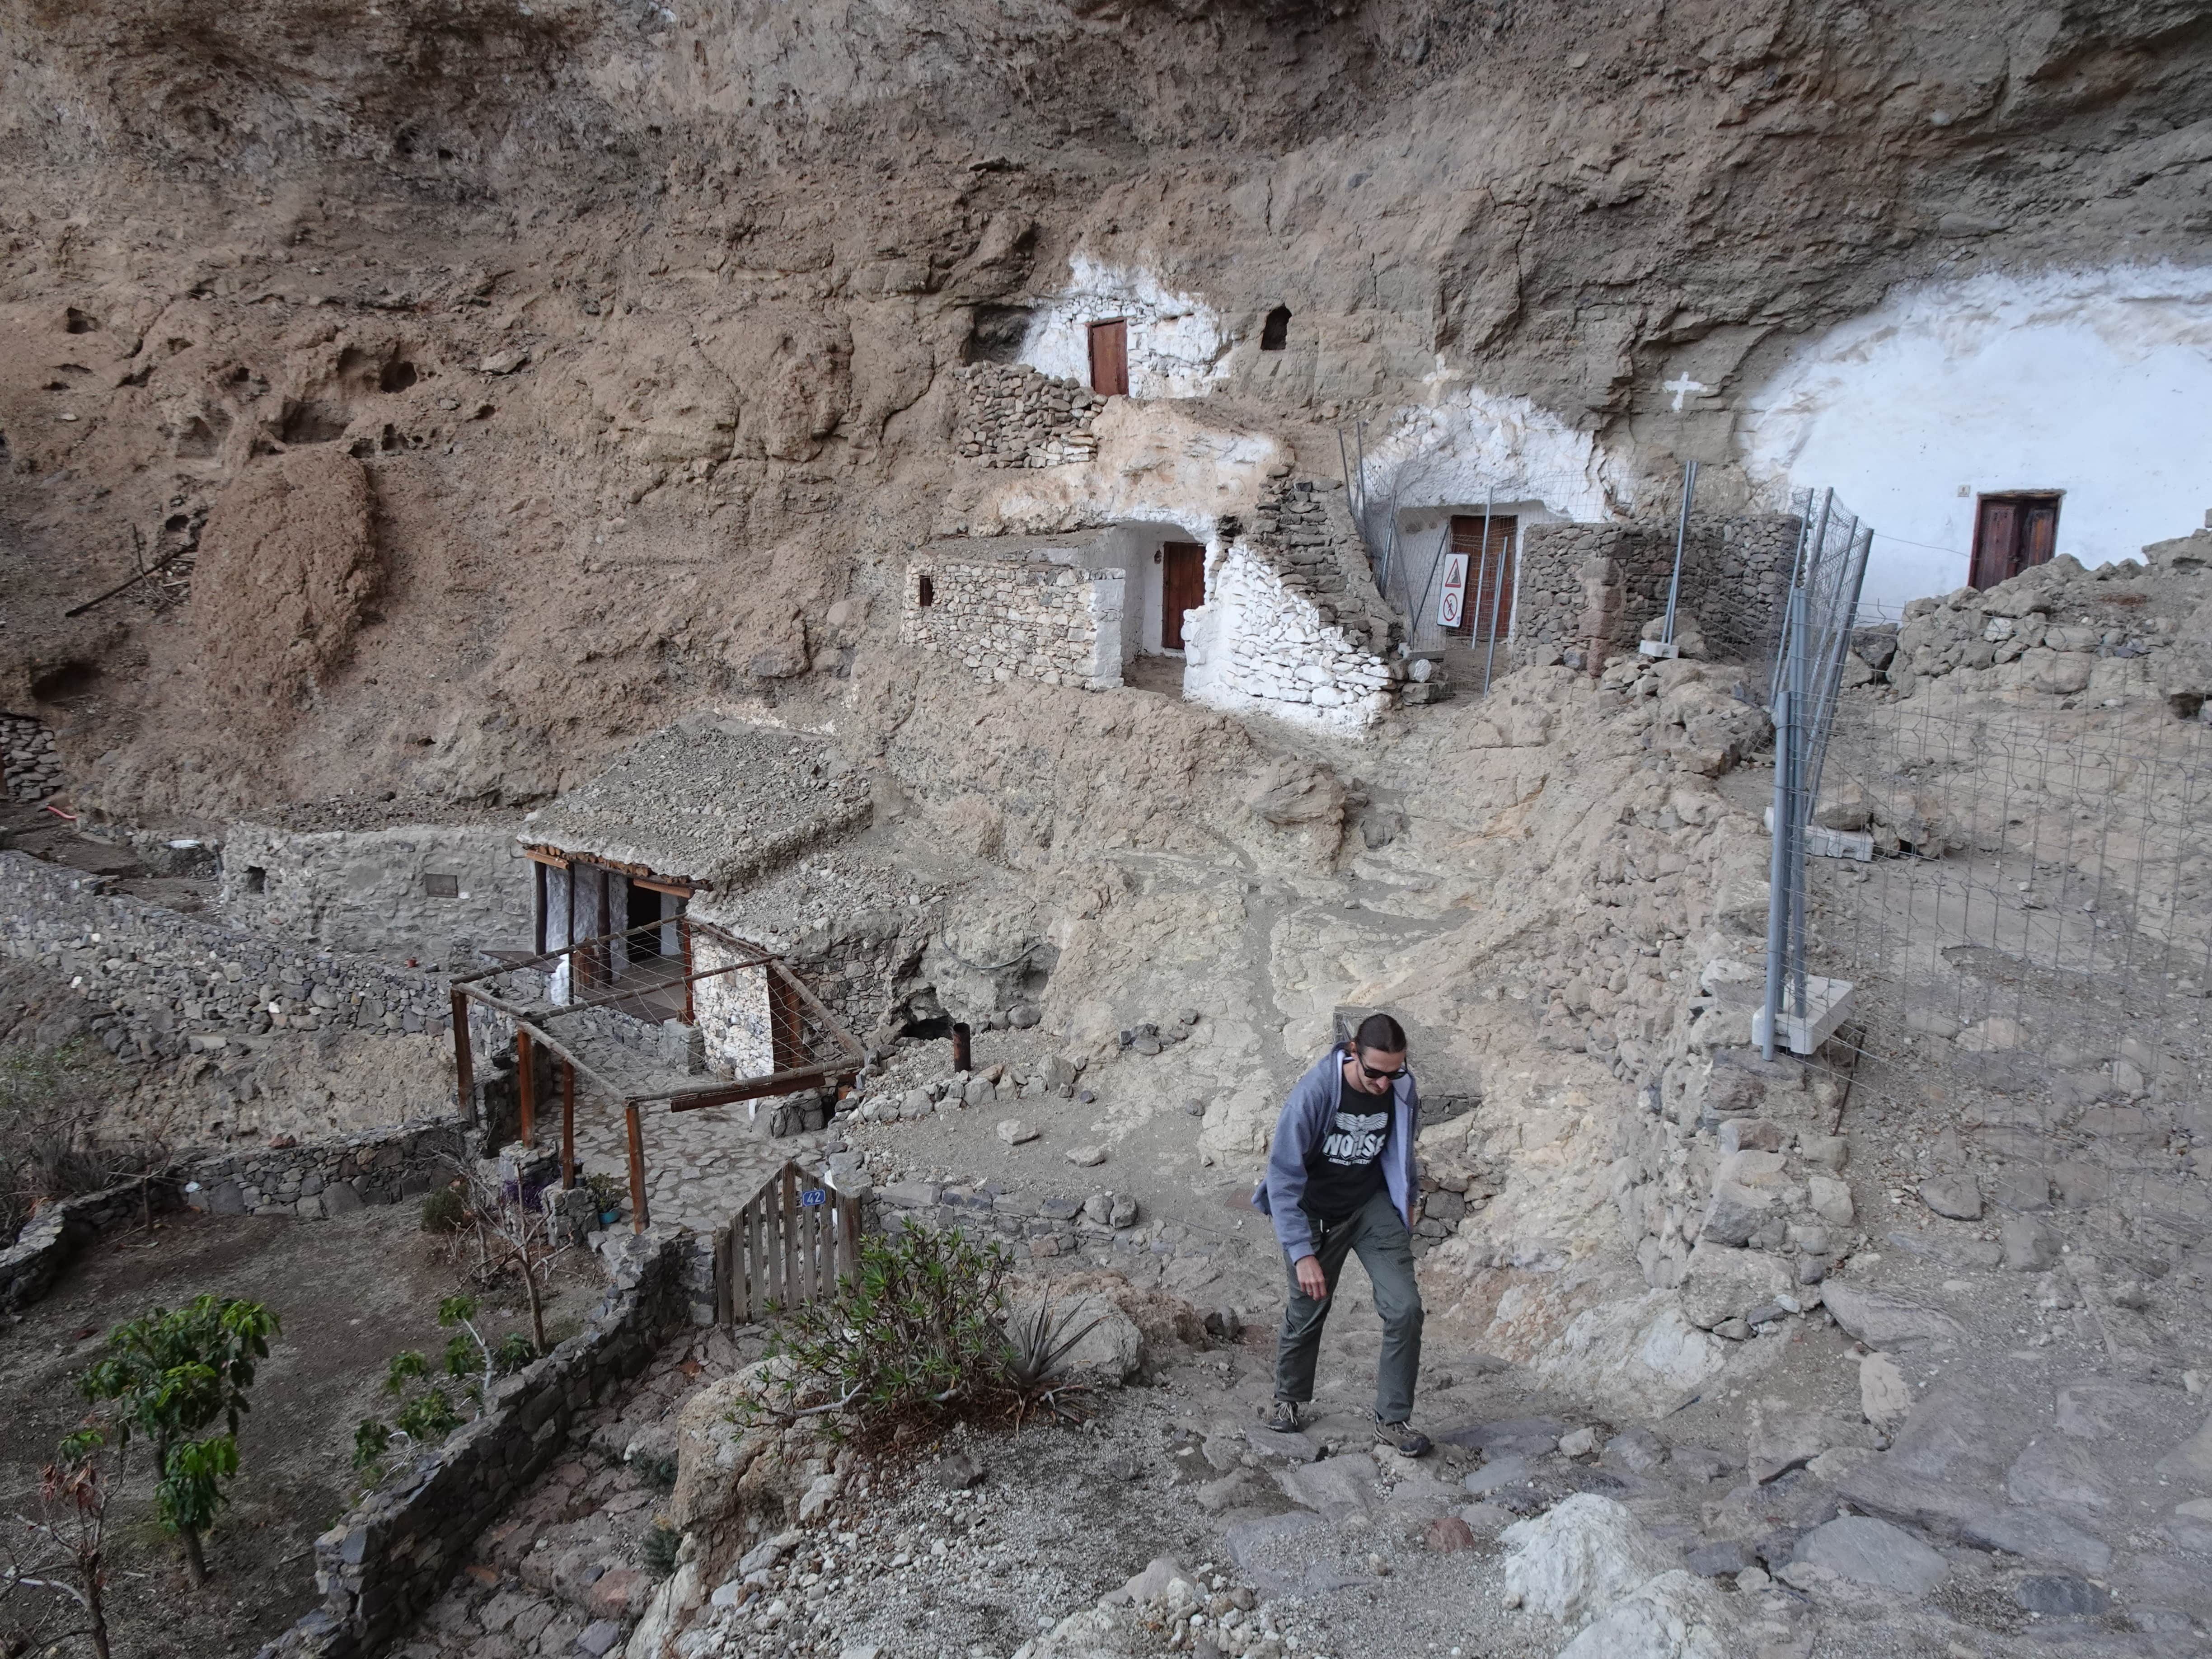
x,y
813,1198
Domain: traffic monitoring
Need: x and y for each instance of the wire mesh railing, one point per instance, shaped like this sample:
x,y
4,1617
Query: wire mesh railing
x,y
1801,1008
2028,942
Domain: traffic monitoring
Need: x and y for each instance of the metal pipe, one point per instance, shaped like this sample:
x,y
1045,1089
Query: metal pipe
x,y
1801,804
1778,877
960,1055
1681,539
1489,655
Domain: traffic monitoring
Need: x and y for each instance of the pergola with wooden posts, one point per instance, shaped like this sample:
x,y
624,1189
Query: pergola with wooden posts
x,y
810,1048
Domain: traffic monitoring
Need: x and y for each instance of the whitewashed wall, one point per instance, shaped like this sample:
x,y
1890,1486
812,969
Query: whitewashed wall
x,y
1254,647
732,1012
1178,347
2095,382
1468,445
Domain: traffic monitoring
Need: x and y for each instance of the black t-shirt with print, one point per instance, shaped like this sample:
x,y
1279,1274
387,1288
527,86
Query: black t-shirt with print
x,y
1344,1169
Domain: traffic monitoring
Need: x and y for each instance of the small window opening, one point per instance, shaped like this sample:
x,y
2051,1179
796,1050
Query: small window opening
x,y
1275,332
925,594
257,878
441,887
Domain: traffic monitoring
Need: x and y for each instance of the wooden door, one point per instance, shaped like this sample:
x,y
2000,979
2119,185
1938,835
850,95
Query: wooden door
x,y
2011,533
1486,612
1109,358
1182,587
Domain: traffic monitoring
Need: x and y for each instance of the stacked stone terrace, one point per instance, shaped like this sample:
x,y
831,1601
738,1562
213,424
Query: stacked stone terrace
x,y
171,984
1012,415
30,765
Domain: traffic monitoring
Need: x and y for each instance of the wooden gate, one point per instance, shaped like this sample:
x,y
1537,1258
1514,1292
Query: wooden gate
x,y
786,1246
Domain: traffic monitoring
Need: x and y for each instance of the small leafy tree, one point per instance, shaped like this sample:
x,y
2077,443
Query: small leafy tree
x,y
430,1414
59,1557
171,1378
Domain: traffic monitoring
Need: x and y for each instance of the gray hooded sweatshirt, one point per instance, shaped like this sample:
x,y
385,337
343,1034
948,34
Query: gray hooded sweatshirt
x,y
1306,1118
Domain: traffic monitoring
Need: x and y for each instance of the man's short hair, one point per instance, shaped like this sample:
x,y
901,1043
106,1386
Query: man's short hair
x,y
1381,1034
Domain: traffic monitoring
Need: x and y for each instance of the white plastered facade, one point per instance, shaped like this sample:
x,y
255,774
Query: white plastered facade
x,y
2095,382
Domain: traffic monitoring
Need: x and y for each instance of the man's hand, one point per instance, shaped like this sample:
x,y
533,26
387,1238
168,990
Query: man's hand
x,y
1312,1282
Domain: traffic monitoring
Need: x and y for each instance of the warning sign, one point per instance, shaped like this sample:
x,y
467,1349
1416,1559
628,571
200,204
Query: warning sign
x,y
1451,604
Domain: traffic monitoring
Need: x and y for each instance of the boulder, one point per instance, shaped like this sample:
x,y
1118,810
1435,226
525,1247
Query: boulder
x,y
1883,1321
1874,1553
1575,1562
1956,1196
1674,1615
1723,1283
1112,1351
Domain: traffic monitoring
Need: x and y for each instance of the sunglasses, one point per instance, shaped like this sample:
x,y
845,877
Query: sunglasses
x,y
1381,1077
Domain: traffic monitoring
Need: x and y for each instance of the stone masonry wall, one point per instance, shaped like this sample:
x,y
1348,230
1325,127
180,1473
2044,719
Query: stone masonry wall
x,y
56,1232
329,1178
1548,613
384,1564
1734,573
30,766
1292,625
1013,416
1734,576
311,1182
382,892
174,983
1304,529
1017,618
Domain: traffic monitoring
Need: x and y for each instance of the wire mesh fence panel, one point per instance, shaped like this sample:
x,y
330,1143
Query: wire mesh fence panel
x,y
2030,943
1802,1007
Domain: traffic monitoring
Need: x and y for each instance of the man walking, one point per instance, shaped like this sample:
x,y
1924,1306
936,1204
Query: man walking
x,y
1340,1180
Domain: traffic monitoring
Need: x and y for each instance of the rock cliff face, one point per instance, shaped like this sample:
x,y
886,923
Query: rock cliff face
x,y
622,336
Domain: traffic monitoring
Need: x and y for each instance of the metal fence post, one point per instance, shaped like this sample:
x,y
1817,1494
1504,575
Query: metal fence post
x,y
1778,881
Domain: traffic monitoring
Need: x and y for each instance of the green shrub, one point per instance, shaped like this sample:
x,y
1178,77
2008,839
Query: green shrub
x,y
917,1327
659,1549
444,1211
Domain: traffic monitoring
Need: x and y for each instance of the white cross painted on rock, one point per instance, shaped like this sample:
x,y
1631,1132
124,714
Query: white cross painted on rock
x,y
1683,388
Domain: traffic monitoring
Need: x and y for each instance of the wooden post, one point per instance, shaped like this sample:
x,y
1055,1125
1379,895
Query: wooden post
x,y
795,1289
567,1126
465,1068
638,1219
525,1073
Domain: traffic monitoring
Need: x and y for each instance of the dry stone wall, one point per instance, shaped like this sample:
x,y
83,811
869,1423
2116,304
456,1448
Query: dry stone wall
x,y
30,765
1013,416
1005,619
1734,572
435,892
329,1178
56,1232
1292,625
172,984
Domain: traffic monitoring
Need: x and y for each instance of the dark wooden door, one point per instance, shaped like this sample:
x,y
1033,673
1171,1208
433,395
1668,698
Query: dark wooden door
x,y
1109,358
1487,609
1182,587
2011,533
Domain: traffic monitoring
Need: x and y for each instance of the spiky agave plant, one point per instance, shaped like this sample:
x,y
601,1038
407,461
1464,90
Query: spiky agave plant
x,y
1038,1341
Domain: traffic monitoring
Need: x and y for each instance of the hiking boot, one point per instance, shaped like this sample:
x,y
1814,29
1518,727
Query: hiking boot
x,y
1282,1417
1401,1437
